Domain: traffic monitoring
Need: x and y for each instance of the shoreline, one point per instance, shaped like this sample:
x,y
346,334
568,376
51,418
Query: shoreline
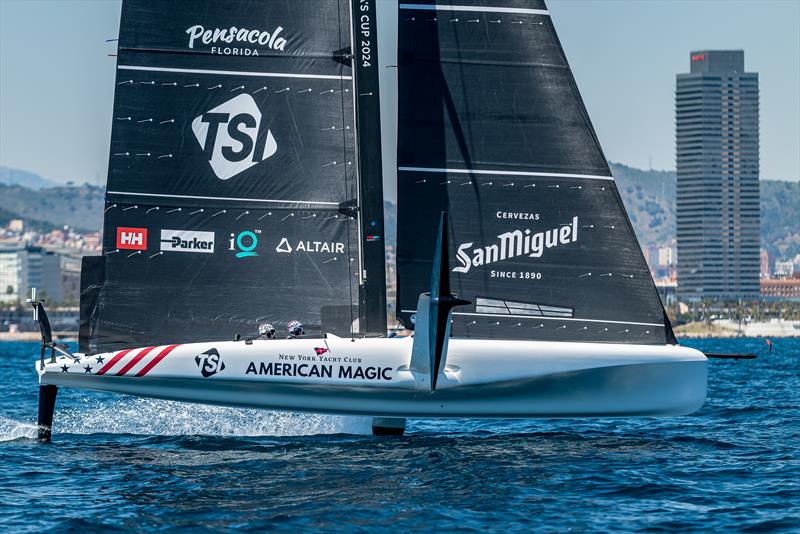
x,y
66,337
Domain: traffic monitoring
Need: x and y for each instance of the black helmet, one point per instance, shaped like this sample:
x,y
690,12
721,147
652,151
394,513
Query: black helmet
x,y
266,329
295,328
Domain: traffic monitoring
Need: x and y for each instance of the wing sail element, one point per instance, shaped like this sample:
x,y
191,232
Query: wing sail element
x,y
492,130
232,189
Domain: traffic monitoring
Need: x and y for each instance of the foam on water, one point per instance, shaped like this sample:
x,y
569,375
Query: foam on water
x,y
11,430
130,415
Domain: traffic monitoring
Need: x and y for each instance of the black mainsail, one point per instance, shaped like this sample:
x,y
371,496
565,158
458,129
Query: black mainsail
x,y
492,130
233,186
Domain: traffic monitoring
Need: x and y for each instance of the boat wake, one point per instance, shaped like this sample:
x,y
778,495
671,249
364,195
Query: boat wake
x,y
152,417
166,418
11,430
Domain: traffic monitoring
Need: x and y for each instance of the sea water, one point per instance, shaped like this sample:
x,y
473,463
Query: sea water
x,y
130,464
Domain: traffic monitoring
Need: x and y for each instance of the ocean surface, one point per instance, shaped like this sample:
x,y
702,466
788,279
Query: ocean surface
x,y
126,464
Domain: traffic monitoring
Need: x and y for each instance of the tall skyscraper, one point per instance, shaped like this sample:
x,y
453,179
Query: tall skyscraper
x,y
716,108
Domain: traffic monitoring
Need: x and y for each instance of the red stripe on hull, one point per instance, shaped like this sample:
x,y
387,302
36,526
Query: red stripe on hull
x,y
113,361
152,363
136,359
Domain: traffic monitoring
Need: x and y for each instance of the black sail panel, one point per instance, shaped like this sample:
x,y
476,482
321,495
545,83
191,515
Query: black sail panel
x,y
232,190
492,130
202,112
175,274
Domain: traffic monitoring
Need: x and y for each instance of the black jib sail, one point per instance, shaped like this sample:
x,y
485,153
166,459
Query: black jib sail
x,y
233,185
492,130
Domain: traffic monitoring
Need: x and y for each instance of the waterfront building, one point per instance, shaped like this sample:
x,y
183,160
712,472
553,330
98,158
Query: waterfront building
x,y
784,269
16,225
665,256
765,270
786,289
10,274
23,267
717,152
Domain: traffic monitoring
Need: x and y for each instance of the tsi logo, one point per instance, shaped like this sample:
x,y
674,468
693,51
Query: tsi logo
x,y
210,362
234,137
186,241
245,243
132,238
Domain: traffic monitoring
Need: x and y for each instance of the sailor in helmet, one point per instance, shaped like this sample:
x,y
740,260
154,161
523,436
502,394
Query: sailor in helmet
x,y
295,329
266,330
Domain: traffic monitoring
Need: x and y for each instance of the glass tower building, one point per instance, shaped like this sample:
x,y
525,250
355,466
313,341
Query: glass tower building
x,y
716,109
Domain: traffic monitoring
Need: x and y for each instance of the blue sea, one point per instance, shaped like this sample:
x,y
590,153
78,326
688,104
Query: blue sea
x,y
126,464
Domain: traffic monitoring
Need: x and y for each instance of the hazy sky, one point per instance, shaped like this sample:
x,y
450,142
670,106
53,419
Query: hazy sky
x,y
57,82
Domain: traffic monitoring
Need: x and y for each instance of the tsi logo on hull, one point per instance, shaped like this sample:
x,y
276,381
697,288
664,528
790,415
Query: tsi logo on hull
x,y
209,362
131,238
187,241
234,137
245,243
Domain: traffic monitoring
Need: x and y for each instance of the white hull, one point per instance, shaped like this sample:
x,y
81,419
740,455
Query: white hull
x,y
370,377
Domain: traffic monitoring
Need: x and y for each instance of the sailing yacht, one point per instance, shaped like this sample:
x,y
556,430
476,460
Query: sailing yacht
x,y
249,146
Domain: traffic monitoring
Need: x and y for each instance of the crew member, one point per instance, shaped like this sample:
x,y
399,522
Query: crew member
x,y
266,330
295,329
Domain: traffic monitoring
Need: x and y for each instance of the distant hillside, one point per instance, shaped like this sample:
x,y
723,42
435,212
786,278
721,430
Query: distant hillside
x,y
649,197
780,218
80,207
9,176
39,226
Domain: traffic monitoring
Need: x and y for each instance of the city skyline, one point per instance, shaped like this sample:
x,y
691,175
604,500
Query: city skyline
x,y
59,105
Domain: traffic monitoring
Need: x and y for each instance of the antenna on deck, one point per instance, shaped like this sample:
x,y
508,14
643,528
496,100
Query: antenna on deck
x,y
35,307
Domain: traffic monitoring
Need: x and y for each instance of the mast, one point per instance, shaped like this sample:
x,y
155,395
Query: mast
x,y
368,135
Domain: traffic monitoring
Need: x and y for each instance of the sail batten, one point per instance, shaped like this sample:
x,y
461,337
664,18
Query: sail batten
x,y
545,318
259,74
503,172
227,199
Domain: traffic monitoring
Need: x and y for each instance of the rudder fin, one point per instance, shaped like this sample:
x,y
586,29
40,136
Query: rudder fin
x,y
434,309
